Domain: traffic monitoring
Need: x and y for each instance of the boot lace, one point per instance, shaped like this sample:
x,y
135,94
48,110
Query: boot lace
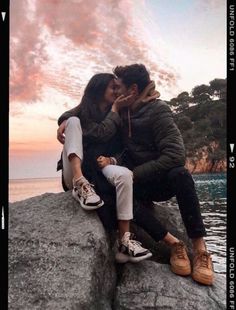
x,y
203,259
180,250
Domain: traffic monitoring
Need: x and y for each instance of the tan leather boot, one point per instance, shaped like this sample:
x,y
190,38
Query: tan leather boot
x,y
203,268
179,261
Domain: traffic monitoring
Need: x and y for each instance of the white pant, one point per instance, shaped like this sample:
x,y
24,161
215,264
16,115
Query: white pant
x,y
122,179
73,145
118,176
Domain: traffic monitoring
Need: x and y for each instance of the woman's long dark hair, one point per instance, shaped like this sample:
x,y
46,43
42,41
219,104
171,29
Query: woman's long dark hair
x,y
94,94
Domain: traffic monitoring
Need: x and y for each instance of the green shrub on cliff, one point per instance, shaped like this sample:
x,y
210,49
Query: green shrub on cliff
x,y
201,118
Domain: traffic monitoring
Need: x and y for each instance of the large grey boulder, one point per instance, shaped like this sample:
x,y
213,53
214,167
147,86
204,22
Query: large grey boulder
x,y
59,256
150,285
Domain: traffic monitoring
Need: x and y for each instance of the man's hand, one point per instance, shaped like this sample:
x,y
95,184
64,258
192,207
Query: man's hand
x,y
149,93
103,161
60,132
122,102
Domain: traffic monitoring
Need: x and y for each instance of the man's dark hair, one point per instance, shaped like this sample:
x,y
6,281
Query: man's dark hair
x,y
133,74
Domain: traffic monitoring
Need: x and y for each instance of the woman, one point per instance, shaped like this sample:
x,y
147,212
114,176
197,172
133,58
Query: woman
x,y
98,117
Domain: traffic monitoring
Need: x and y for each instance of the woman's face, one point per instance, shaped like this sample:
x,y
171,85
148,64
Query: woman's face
x,y
109,95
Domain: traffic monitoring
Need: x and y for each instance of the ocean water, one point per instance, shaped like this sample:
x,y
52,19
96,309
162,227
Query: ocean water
x,y
211,190
26,188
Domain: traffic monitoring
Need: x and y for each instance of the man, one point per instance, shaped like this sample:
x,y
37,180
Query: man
x,y
155,153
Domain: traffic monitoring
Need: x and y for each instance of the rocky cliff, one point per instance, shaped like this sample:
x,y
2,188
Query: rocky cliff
x,y
205,165
61,258
204,160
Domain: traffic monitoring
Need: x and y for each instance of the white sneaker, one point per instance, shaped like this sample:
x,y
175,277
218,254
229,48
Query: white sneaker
x,y
84,193
131,250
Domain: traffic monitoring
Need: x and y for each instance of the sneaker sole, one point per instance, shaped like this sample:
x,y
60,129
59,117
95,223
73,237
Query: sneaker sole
x,y
85,207
122,258
181,271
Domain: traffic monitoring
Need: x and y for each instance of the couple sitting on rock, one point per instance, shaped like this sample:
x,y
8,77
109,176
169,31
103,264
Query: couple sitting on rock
x,y
122,140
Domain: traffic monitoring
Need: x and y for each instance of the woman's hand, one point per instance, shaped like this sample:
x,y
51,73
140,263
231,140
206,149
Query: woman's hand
x,y
60,132
103,161
122,102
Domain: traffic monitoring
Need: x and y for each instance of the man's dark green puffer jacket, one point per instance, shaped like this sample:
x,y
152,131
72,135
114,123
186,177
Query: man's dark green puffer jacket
x,y
153,142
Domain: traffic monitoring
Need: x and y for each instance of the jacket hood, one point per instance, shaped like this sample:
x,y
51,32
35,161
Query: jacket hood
x,y
148,94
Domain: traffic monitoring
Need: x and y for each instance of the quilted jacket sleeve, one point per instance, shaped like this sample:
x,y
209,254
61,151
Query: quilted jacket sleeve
x,y
93,131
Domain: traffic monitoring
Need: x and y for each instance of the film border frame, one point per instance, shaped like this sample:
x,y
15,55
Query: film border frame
x,y
231,151
4,158
4,141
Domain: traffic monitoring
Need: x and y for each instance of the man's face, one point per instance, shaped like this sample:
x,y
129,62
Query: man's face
x,y
120,88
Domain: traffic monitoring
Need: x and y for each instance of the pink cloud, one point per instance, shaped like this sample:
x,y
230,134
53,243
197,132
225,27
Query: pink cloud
x,y
103,30
26,53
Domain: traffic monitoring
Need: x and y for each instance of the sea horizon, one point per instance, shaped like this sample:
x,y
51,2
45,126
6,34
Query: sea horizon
x,y
55,177
24,188
21,189
33,178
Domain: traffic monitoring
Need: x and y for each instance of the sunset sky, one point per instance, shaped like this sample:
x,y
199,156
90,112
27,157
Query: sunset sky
x,y
57,45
